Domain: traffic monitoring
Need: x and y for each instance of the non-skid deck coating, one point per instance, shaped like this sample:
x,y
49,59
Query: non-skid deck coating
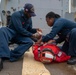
x,y
28,66
12,68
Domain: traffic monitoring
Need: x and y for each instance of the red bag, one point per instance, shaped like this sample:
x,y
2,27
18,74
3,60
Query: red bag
x,y
49,53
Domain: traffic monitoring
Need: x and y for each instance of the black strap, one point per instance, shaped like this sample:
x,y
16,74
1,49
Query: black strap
x,y
47,49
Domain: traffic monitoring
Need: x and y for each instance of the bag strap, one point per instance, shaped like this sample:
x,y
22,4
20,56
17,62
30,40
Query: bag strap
x,y
49,50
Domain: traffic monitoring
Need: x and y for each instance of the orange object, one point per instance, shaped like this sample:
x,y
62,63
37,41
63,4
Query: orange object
x,y
49,53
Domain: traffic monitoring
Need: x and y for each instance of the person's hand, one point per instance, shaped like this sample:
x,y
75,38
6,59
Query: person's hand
x,y
39,41
51,42
37,35
39,30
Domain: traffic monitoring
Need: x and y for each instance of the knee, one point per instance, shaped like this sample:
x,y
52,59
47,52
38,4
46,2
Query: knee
x,y
30,42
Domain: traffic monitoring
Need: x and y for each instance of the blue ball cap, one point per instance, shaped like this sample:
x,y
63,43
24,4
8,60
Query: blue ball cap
x,y
30,9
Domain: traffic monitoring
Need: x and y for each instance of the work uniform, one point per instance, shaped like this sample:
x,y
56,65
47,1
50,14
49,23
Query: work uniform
x,y
19,31
66,30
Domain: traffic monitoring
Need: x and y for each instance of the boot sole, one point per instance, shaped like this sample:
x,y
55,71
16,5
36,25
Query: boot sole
x,y
71,63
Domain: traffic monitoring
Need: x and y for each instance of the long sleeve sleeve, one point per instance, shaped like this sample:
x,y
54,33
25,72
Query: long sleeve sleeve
x,y
57,26
32,30
18,26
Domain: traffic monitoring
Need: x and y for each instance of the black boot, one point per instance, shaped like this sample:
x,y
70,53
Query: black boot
x,y
1,64
72,61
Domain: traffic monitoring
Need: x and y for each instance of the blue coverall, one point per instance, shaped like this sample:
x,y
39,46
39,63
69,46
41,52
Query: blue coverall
x,y
19,31
66,30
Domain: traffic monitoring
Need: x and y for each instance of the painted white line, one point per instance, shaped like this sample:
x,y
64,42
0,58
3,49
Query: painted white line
x,y
32,67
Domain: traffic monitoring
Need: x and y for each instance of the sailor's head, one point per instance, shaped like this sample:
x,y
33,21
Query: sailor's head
x,y
29,9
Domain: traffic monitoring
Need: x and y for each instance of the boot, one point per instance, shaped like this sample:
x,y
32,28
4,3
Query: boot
x,y
72,61
1,64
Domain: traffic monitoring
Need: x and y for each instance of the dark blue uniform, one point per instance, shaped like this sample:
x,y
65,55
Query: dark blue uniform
x,y
65,29
19,31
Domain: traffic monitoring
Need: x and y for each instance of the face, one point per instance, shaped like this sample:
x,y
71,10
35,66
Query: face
x,y
50,21
28,15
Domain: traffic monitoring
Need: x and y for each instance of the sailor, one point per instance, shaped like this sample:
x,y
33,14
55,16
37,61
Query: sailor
x,y
66,30
19,31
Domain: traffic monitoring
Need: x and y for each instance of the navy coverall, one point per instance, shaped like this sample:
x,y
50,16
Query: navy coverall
x,y
19,31
66,30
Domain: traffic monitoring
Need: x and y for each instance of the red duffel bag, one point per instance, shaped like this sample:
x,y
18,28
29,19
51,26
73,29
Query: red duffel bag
x,y
49,53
